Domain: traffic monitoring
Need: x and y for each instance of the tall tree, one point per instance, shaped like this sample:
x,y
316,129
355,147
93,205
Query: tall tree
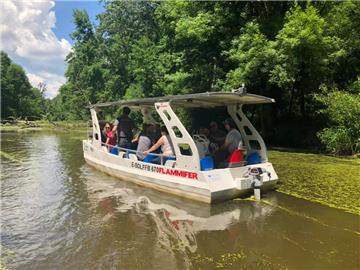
x,y
18,97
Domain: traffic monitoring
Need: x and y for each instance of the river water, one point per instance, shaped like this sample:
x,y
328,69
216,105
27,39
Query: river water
x,y
59,213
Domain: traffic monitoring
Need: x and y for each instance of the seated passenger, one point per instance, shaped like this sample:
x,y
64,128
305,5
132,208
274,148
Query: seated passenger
x,y
157,134
102,124
232,140
166,146
144,142
204,131
110,137
216,135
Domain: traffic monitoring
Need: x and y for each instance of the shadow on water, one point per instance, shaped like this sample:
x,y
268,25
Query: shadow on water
x,y
58,212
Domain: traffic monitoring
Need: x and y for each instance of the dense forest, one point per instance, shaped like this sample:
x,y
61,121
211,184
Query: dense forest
x,y
306,55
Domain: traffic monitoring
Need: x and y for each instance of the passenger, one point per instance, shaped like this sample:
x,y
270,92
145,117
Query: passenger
x,y
144,140
232,140
166,146
135,140
216,135
110,136
157,134
102,124
124,126
204,131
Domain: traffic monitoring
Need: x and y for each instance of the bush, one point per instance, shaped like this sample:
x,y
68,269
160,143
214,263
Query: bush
x,y
343,112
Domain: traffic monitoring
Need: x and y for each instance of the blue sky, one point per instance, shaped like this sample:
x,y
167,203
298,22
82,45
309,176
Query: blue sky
x,y
36,35
64,21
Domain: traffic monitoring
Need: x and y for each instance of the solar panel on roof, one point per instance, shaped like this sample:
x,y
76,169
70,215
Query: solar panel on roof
x,y
207,99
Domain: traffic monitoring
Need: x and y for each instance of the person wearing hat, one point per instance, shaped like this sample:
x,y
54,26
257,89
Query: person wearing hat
x,y
232,141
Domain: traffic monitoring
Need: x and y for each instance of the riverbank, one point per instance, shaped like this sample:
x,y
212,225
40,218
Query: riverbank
x,y
333,181
23,126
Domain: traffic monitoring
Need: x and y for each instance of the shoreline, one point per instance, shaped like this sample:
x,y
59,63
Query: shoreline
x,y
43,125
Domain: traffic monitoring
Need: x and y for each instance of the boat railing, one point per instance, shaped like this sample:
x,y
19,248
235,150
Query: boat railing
x,y
128,151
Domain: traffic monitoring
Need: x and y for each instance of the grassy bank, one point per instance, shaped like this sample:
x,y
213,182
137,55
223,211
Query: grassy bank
x,y
332,181
45,125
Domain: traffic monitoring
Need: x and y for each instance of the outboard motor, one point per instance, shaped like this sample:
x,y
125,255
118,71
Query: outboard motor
x,y
256,179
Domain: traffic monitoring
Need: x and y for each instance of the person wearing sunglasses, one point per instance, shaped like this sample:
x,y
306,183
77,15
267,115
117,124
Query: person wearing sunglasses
x,y
110,136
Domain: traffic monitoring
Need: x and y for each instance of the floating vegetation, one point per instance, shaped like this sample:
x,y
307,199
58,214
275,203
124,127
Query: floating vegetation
x,y
332,181
235,260
223,261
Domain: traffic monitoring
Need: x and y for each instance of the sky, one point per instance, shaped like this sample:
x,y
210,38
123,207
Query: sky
x,y
36,35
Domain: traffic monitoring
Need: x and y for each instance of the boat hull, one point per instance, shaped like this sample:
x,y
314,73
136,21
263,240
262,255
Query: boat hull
x,y
204,186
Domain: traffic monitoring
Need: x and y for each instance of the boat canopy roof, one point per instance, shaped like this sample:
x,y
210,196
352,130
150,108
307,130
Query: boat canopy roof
x,y
198,100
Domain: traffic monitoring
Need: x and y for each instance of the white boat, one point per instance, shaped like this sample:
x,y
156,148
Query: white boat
x,y
185,175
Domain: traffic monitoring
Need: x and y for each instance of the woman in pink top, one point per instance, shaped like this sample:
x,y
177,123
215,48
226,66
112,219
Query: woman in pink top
x,y
110,136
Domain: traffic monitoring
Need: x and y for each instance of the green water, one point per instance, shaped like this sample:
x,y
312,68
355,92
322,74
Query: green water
x,y
59,213
329,180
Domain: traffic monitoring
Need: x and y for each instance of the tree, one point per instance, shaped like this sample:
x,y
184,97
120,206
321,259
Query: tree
x,y
18,97
342,109
303,52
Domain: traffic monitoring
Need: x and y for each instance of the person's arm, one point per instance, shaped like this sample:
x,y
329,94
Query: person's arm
x,y
115,125
107,142
155,146
225,145
136,138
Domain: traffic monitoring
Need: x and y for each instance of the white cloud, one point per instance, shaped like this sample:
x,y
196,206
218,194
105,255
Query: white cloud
x,y
27,36
52,81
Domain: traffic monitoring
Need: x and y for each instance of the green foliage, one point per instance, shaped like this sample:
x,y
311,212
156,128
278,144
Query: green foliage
x,y
253,53
285,50
198,28
303,52
18,97
343,112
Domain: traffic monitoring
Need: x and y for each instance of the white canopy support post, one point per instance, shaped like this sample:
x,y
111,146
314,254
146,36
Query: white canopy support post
x,y
187,155
251,138
95,129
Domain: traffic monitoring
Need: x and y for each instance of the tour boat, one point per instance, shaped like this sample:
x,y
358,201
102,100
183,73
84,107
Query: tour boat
x,y
190,172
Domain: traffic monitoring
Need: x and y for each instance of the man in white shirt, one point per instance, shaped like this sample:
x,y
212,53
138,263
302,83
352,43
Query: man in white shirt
x,y
232,140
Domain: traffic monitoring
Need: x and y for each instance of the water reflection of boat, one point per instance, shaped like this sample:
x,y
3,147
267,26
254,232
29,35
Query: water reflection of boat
x,y
177,221
190,173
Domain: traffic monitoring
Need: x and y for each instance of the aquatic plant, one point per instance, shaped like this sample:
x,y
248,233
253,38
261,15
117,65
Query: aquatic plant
x,y
332,181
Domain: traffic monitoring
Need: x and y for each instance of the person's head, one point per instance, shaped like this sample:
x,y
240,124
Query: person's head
x,y
107,126
213,126
152,128
204,131
148,128
126,110
164,131
229,124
